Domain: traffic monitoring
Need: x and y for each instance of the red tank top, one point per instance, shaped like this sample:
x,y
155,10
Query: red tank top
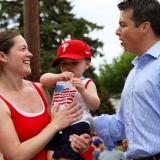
x,y
29,126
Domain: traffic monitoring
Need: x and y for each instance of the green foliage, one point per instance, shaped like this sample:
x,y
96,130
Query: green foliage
x,y
113,76
11,14
106,105
57,23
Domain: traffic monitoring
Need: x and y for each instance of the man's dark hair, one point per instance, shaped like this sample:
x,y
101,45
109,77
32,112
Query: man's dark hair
x,y
144,11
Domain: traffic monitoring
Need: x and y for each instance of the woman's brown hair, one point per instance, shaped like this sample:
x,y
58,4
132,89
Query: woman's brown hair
x,y
6,40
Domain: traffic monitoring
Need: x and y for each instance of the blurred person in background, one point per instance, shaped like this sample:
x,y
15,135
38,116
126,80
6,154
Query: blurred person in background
x,y
112,153
98,148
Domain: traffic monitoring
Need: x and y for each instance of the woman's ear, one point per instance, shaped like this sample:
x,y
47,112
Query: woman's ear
x,y
3,57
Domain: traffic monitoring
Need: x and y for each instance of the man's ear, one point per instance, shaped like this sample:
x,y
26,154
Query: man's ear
x,y
146,26
3,57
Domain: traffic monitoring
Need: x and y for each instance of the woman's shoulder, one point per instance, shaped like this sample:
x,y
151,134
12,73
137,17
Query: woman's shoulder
x,y
43,90
35,84
38,84
4,110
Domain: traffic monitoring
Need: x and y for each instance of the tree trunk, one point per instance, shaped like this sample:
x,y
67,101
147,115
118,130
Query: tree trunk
x,y
32,35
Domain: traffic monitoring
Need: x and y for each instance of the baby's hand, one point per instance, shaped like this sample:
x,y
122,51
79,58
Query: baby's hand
x,y
78,84
66,76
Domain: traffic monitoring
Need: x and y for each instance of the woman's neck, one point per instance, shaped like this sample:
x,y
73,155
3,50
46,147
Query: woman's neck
x,y
11,83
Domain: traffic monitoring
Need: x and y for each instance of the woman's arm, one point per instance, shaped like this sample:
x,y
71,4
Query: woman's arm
x,y
10,144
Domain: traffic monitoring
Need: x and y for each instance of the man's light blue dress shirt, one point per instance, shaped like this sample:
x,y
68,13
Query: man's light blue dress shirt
x,y
138,118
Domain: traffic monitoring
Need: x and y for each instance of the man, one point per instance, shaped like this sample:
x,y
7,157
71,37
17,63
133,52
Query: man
x,y
139,116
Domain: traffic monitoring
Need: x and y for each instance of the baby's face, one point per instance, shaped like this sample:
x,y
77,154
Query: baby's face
x,y
75,66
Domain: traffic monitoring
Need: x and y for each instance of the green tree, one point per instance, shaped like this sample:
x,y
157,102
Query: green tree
x,y
57,23
112,76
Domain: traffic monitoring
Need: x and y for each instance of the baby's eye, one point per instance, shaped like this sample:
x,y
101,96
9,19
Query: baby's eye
x,y
75,63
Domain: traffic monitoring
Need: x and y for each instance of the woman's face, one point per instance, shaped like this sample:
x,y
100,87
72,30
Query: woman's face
x,y
18,59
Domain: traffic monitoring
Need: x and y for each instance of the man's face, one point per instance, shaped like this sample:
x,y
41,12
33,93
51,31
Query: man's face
x,y
128,33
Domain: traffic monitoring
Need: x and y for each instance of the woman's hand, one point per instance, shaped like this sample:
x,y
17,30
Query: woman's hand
x,y
64,118
80,143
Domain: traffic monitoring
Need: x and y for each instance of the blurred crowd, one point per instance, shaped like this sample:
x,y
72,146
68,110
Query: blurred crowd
x,y
100,151
107,152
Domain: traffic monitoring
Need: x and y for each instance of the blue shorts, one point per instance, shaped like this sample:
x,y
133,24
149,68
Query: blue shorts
x,y
60,143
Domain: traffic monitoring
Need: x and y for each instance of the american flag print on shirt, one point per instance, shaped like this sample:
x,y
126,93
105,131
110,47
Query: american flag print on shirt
x,y
64,94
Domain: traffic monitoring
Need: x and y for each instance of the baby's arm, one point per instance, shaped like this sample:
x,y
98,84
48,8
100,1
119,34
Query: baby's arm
x,y
50,79
88,94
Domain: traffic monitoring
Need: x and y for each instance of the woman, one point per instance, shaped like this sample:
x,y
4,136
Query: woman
x,y
25,122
